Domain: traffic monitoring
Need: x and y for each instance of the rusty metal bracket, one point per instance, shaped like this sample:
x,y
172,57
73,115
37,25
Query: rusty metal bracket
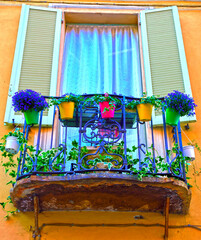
x,y
167,207
36,232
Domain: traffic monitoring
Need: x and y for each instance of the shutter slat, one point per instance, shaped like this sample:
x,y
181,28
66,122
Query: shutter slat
x,y
38,52
165,64
164,56
35,64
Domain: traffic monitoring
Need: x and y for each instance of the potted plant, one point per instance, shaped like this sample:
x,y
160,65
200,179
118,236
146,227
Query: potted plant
x,y
189,152
67,104
145,106
106,103
12,142
102,162
178,104
131,106
30,103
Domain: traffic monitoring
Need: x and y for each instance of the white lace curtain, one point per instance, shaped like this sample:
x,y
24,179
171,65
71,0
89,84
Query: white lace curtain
x,y
99,59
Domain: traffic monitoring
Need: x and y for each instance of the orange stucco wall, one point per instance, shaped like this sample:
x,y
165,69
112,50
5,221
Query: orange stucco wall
x,y
9,21
18,226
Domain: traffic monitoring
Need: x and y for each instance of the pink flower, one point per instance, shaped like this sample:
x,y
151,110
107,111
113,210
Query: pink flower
x,y
106,94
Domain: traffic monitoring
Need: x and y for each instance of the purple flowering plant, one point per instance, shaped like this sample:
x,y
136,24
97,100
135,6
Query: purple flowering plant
x,y
27,99
181,103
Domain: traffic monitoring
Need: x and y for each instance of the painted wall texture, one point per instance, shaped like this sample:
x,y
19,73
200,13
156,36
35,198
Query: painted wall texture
x,y
17,227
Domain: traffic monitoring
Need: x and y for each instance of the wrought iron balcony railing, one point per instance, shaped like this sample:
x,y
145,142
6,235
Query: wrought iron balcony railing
x,y
108,138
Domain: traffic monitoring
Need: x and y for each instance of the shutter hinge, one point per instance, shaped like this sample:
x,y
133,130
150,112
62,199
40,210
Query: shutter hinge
x,y
139,19
10,91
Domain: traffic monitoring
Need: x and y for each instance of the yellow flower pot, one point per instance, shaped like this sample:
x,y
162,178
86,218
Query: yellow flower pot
x,y
66,110
144,111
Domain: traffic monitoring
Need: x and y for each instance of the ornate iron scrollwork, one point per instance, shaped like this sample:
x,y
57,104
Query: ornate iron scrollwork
x,y
102,131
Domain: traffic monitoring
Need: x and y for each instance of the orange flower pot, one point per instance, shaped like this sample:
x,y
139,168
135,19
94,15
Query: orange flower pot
x,y
144,111
66,110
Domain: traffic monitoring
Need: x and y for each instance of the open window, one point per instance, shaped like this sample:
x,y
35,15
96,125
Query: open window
x,y
35,63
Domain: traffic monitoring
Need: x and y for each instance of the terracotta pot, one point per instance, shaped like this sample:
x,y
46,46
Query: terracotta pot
x,y
12,145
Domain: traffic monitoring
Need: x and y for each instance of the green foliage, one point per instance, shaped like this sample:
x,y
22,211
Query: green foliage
x,y
106,160
17,134
179,161
132,104
9,164
74,152
10,168
117,149
110,160
103,98
8,212
160,163
196,171
195,144
113,101
43,159
77,99
20,139
3,204
153,100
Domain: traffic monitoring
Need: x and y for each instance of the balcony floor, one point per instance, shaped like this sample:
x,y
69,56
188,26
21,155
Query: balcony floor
x,y
101,191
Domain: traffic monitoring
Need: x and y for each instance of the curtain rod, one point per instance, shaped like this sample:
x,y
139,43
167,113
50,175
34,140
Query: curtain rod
x,y
99,6
102,24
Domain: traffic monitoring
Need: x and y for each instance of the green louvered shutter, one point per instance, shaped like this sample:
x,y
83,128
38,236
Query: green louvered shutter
x,y
164,56
36,58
